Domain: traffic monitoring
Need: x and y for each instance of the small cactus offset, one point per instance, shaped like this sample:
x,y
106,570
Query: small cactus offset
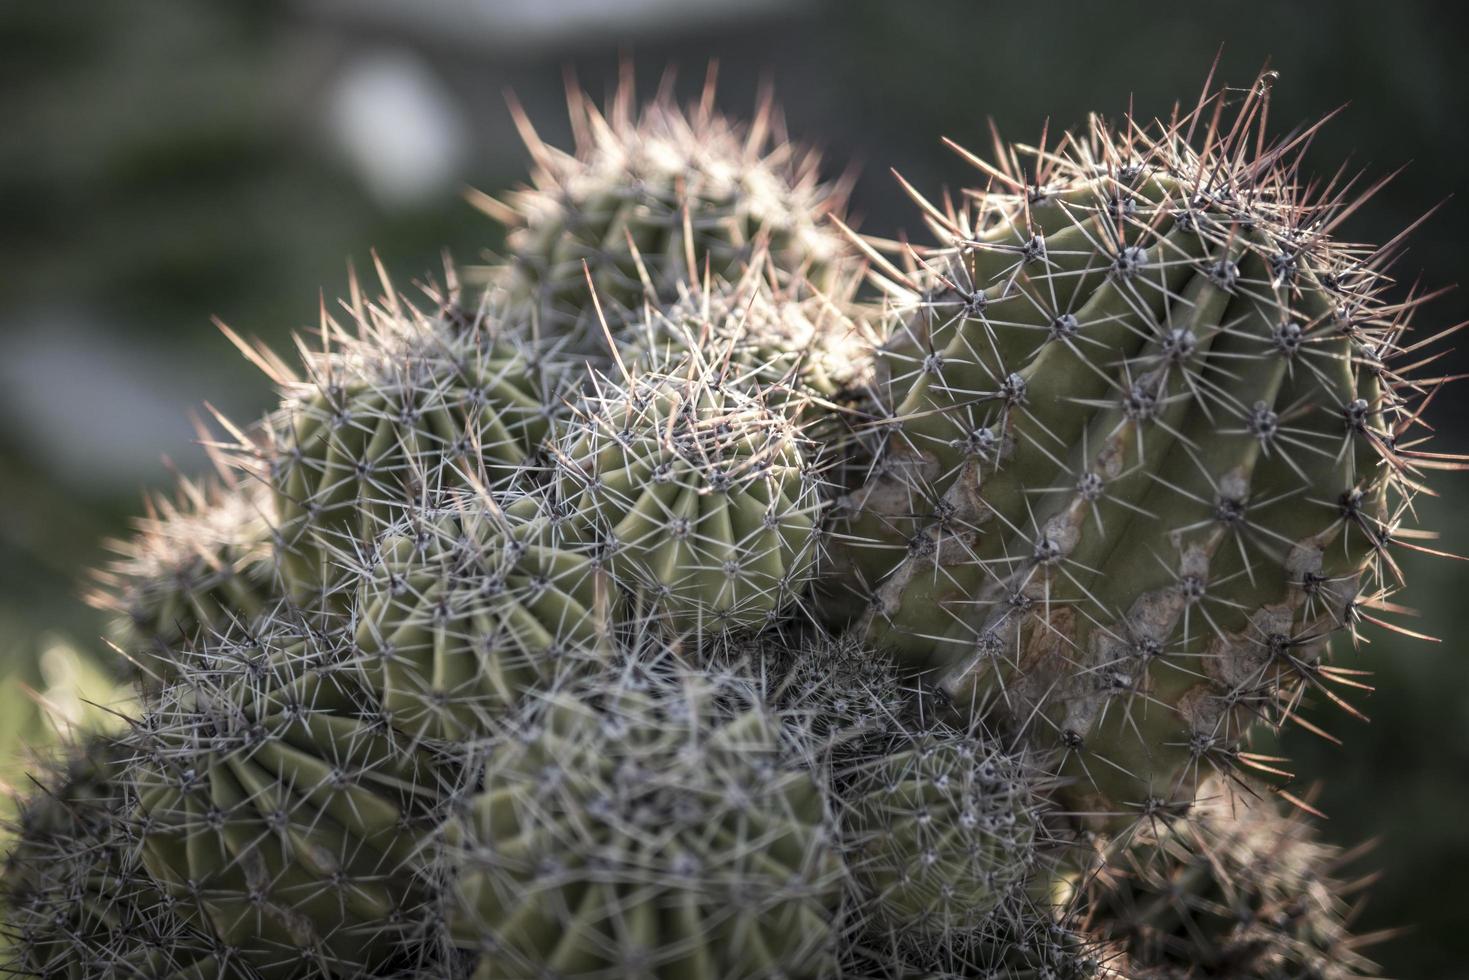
x,y
1236,889
667,827
196,564
665,605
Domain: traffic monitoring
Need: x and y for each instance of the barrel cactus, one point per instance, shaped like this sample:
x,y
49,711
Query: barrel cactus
x,y
470,607
666,606
702,493
943,828
407,404
274,808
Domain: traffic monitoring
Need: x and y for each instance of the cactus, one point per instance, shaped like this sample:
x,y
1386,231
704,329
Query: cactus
x,y
701,492
651,200
1237,889
407,405
671,830
943,828
276,809
197,565
1140,456
472,605
585,635
79,903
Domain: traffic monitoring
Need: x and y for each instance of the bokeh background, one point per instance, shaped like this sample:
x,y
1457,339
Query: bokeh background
x,y
163,162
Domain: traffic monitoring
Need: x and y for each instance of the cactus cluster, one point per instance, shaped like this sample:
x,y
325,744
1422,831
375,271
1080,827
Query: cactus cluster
x,y
706,592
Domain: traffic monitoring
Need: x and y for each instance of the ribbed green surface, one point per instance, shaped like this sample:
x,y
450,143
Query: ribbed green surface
x,y
404,408
663,833
473,605
1132,474
941,829
701,493
275,806
78,904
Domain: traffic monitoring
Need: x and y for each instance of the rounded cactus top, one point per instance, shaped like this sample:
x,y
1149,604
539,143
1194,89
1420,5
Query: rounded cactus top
x,y
652,197
473,604
407,403
196,564
793,343
700,492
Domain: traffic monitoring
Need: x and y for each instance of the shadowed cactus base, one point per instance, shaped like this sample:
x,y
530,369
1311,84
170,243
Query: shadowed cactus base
x,y
942,829
1237,889
79,904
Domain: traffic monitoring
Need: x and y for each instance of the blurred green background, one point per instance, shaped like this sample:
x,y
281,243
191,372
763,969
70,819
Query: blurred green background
x,y
163,162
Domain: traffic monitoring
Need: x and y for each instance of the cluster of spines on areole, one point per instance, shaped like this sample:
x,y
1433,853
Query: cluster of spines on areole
x,y
1236,887
1185,345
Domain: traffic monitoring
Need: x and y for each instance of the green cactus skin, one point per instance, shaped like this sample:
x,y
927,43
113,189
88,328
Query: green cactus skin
x,y
275,807
408,405
1141,461
76,902
669,830
1237,889
472,605
197,564
701,492
942,828
653,199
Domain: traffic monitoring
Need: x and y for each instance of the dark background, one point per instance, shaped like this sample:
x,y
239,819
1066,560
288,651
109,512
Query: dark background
x,y
166,161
